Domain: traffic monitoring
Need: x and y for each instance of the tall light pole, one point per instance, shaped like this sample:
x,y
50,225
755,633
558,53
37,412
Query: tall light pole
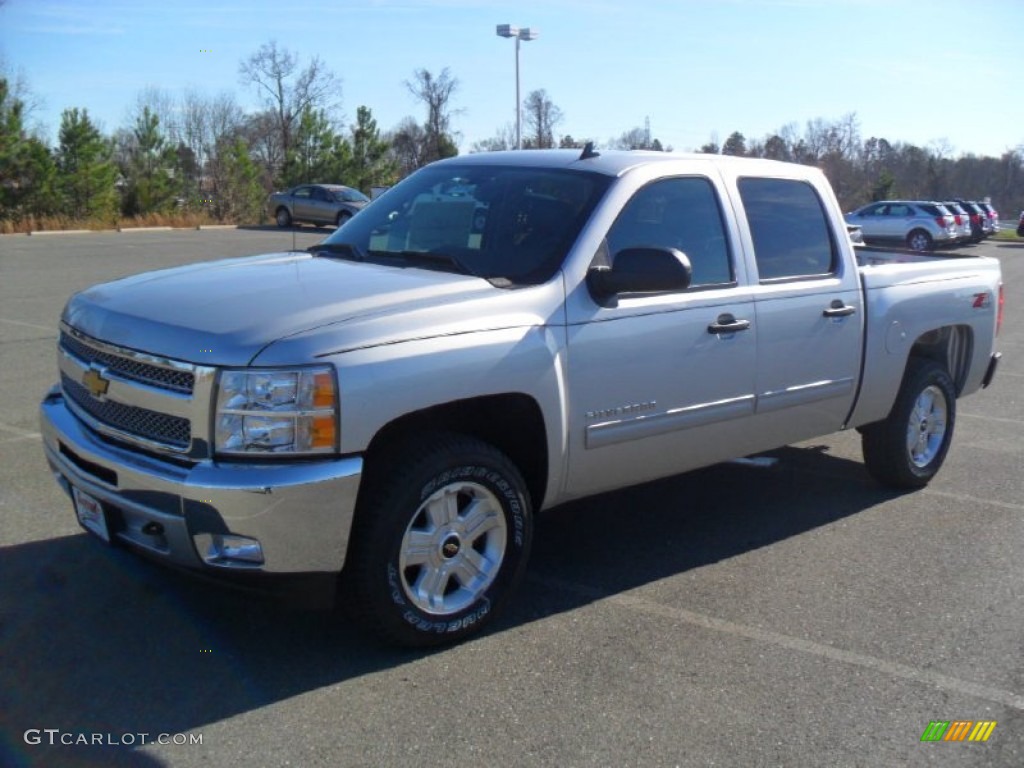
x,y
524,33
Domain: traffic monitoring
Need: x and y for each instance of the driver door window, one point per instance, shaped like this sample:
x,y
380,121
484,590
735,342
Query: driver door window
x,y
679,213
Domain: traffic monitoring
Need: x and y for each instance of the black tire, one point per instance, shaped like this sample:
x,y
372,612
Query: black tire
x,y
919,240
436,512
907,449
342,217
284,219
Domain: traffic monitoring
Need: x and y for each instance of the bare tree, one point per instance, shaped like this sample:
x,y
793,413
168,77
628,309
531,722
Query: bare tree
x,y
504,138
637,138
287,91
408,142
19,89
435,92
203,122
542,116
263,140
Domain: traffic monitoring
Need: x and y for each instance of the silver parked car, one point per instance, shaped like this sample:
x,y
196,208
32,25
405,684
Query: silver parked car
x,y
920,225
962,219
992,216
316,204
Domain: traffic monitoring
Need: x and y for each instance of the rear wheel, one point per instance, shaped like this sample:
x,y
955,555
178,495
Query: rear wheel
x,y
283,218
440,543
908,448
919,240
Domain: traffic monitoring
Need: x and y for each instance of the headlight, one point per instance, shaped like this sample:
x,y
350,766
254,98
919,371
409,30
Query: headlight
x,y
277,411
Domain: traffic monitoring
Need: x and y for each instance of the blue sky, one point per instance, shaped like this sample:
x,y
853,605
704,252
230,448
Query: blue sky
x,y
946,72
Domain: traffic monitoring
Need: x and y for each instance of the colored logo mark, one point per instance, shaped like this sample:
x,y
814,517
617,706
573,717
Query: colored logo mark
x,y
958,730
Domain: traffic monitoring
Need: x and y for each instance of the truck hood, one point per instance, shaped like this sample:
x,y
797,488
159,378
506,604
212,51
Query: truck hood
x,y
226,312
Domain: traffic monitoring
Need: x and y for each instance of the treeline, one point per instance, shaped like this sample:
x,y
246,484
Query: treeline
x,y
203,157
862,170
206,158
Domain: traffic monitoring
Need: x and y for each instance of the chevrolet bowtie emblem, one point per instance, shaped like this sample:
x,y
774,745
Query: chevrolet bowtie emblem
x,y
95,383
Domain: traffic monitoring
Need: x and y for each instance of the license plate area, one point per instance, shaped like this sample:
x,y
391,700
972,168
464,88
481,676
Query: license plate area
x,y
90,514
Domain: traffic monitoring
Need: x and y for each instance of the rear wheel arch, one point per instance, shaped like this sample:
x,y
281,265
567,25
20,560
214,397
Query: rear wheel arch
x,y
950,346
907,448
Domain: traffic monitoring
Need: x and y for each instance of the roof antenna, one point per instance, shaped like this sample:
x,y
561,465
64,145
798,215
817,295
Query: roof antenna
x,y
589,151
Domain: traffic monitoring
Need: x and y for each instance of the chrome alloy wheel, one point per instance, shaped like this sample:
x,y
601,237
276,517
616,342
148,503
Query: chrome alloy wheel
x,y
919,241
453,549
926,428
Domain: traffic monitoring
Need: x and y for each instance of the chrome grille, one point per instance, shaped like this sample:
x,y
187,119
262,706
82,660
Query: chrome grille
x,y
136,370
141,422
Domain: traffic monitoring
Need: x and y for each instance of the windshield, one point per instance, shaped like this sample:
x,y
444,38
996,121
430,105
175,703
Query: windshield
x,y
349,196
506,224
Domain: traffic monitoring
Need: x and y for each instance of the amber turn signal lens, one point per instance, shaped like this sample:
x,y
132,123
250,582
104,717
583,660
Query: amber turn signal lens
x,y
323,391
322,432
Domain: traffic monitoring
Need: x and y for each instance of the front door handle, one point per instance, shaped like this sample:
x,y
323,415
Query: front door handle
x,y
728,324
838,309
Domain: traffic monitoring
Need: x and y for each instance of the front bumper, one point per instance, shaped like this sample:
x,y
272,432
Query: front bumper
x,y
301,513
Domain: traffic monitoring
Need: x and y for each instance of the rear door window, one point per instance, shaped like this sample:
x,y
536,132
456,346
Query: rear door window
x,y
791,234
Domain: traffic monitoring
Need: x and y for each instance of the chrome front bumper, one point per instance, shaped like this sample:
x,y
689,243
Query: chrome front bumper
x,y
301,513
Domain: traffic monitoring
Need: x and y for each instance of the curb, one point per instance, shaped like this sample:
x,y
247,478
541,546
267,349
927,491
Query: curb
x,y
38,232
35,232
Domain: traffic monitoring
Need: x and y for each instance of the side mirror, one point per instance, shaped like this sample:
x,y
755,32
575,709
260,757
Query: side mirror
x,y
641,270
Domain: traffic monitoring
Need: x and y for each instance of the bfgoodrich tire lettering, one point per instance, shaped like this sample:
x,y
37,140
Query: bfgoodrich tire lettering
x,y
908,448
441,540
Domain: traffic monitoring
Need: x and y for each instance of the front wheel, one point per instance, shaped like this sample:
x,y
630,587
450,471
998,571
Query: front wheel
x,y
441,541
341,218
919,240
908,448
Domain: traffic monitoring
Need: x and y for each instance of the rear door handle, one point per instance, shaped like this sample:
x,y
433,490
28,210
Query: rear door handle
x,y
728,324
838,309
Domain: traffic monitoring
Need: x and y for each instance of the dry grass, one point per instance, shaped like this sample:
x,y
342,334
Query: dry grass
x,y
50,223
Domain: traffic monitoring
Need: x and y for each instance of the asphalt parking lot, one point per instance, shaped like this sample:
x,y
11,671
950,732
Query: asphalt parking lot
x,y
735,616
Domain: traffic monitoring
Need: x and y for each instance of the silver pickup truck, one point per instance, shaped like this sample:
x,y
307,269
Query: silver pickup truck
x,y
497,334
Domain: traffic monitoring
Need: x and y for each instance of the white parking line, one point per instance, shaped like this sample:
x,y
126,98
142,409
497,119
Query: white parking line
x,y
34,436
974,500
633,601
21,434
990,418
29,325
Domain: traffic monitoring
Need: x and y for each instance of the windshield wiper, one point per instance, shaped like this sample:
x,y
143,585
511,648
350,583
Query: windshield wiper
x,y
351,249
434,258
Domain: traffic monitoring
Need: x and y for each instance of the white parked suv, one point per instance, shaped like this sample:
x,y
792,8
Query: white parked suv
x,y
917,224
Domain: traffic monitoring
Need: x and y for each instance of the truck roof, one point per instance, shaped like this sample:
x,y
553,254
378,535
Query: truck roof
x,y
615,162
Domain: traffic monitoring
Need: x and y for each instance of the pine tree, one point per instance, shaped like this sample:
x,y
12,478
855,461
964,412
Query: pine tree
x,y
86,173
27,173
150,186
236,181
372,164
